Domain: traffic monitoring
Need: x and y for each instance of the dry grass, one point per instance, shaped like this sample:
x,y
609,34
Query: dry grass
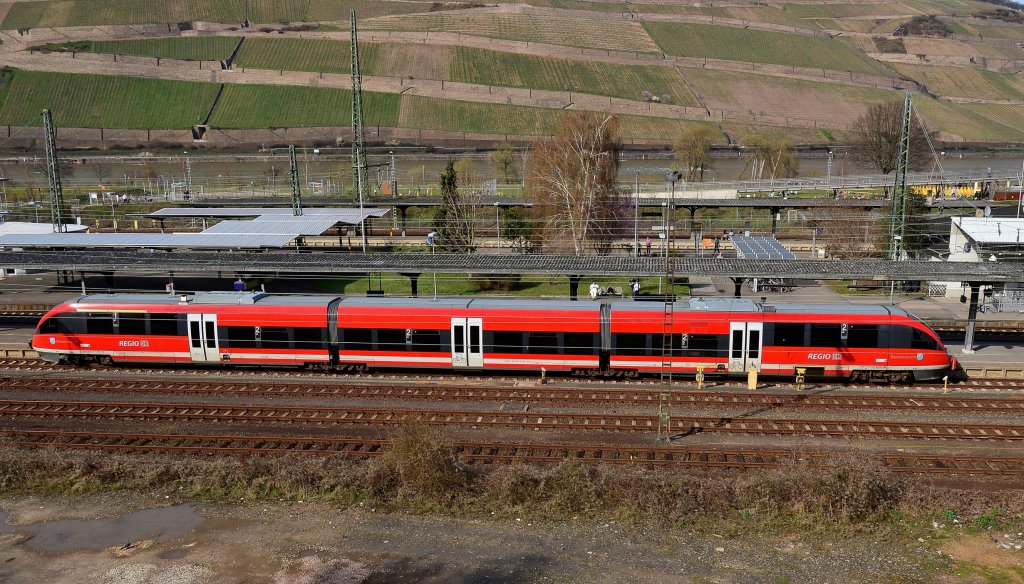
x,y
422,473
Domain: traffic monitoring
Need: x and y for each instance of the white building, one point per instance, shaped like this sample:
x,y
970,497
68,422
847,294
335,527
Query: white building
x,y
987,239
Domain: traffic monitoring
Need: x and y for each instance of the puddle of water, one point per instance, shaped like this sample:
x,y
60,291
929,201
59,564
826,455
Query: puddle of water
x,y
159,524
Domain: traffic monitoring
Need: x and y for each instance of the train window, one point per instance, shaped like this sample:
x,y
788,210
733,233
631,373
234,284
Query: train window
x,y
863,336
193,332
427,341
459,339
99,324
921,340
356,339
542,342
507,342
788,334
240,337
274,337
390,339
704,346
737,344
579,344
754,346
131,323
163,324
308,337
825,335
631,344
70,324
48,326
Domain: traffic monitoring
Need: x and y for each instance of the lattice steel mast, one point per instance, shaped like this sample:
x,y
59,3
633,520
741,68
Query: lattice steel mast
x,y
358,135
296,192
898,220
53,174
665,397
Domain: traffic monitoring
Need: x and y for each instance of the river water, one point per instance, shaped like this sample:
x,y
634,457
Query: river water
x,y
416,170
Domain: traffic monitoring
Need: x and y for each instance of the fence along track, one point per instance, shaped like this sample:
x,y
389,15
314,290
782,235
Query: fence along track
x,y
499,453
615,422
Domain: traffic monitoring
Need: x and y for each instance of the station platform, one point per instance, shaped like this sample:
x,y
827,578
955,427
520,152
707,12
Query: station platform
x,y
992,360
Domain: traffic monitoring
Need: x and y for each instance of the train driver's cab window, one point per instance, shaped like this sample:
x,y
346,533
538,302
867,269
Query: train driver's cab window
x,y
922,340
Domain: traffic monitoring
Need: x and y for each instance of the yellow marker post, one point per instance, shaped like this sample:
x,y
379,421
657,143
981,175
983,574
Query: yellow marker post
x,y
800,372
945,384
752,378
700,377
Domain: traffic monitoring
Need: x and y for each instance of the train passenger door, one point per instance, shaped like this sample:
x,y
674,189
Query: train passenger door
x,y
467,342
745,341
202,338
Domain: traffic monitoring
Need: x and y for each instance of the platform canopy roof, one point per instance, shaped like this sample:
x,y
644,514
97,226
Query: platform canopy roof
x,y
23,228
345,215
147,240
276,225
997,230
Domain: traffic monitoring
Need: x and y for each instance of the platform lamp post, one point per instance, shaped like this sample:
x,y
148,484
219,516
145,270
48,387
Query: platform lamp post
x,y
636,216
433,251
497,221
1020,191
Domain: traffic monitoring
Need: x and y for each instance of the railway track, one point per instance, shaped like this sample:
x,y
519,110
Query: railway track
x,y
607,422
544,394
499,453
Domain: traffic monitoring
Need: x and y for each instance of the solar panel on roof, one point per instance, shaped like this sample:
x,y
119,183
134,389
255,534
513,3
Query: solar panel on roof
x,y
295,226
760,248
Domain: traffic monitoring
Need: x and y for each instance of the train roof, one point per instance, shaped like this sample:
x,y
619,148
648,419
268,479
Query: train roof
x,y
724,305
208,298
469,302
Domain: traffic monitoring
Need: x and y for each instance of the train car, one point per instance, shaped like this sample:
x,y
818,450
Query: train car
x,y
724,336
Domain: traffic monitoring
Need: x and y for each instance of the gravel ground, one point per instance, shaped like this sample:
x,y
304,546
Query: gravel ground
x,y
302,543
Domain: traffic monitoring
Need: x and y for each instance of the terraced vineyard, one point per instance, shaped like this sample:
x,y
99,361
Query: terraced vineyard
x,y
758,46
964,82
623,81
192,48
615,35
86,101
267,106
777,69
59,13
300,54
455,116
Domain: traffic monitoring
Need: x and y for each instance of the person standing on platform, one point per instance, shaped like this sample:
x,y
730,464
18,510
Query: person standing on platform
x,y
648,244
594,290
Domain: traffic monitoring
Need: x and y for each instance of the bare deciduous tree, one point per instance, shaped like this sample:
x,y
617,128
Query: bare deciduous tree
x,y
453,219
572,181
503,161
844,232
875,138
769,158
693,151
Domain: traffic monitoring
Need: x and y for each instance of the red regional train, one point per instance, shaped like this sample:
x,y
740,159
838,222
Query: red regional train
x,y
726,336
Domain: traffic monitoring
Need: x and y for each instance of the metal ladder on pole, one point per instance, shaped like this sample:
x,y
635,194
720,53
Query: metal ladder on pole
x,y
665,395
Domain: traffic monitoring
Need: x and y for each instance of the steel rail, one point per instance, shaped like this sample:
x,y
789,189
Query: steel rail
x,y
551,394
496,452
611,421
